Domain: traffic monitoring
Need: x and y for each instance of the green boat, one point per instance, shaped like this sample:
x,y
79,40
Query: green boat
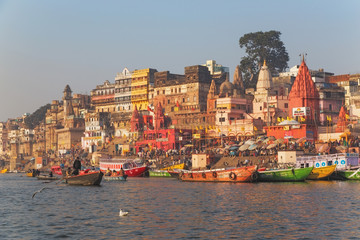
x,y
349,174
285,175
159,173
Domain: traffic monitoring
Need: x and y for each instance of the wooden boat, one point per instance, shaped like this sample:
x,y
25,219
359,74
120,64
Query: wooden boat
x,y
175,173
85,179
44,177
159,173
3,170
115,178
176,166
285,175
241,174
349,174
321,172
130,167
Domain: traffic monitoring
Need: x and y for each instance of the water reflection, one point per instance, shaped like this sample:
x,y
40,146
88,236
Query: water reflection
x,y
169,209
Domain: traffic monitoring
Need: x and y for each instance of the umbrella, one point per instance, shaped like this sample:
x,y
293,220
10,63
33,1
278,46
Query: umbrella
x,y
323,148
233,148
244,147
249,142
300,140
252,147
271,146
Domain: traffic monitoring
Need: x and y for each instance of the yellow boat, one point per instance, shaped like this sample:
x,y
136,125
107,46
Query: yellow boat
x,y
176,166
321,172
3,171
30,174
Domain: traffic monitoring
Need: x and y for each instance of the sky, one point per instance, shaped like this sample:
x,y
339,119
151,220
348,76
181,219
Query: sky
x,y
45,45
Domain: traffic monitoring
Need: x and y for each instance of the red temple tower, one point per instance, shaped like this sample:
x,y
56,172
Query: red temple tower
x,y
136,121
342,121
304,94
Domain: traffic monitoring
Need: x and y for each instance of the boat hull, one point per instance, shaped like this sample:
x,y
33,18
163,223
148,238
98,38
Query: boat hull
x,y
321,172
349,174
3,171
285,175
47,178
30,174
176,166
242,174
87,179
159,173
115,178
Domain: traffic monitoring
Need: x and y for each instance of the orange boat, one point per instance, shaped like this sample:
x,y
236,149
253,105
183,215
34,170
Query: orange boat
x,y
241,174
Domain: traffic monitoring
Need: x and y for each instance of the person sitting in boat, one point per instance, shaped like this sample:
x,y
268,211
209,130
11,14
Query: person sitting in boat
x,y
68,172
121,172
108,172
76,166
114,173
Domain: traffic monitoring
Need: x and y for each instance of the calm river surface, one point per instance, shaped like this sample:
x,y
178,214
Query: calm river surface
x,y
169,209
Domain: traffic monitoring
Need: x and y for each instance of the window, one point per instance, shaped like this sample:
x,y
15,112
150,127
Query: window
x,y
158,92
188,99
286,105
168,101
183,100
163,91
260,108
222,119
179,90
330,107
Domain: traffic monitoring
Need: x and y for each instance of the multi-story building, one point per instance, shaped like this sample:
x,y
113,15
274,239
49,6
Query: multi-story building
x,y
331,98
103,97
123,91
97,130
3,138
140,82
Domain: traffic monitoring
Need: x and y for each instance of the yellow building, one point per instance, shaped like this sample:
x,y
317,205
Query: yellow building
x,y
140,82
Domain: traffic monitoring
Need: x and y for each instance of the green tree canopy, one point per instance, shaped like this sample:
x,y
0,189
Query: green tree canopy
x,y
260,46
36,117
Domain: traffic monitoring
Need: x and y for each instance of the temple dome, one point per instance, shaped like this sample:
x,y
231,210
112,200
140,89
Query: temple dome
x,y
226,88
265,80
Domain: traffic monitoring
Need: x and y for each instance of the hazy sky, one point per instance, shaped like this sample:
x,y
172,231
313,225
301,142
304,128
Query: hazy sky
x,y
45,45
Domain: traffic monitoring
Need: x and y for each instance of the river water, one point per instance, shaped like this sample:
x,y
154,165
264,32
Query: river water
x,y
168,209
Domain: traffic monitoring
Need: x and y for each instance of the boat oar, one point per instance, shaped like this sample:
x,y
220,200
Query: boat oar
x,y
354,173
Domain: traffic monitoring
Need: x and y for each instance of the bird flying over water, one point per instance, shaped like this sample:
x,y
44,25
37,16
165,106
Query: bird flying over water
x,y
38,192
122,213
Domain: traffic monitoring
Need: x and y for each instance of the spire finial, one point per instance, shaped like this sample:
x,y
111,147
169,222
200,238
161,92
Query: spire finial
x,y
264,65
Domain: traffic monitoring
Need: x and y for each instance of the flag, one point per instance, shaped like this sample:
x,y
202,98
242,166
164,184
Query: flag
x,y
278,119
229,121
347,116
149,109
206,129
255,128
192,109
197,128
177,104
302,119
219,130
201,127
328,118
180,131
287,118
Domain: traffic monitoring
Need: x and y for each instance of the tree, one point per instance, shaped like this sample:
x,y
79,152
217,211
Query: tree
x,y
261,46
38,116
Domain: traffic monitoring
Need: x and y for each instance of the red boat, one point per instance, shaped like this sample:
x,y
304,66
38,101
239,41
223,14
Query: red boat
x,y
56,170
240,174
131,168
